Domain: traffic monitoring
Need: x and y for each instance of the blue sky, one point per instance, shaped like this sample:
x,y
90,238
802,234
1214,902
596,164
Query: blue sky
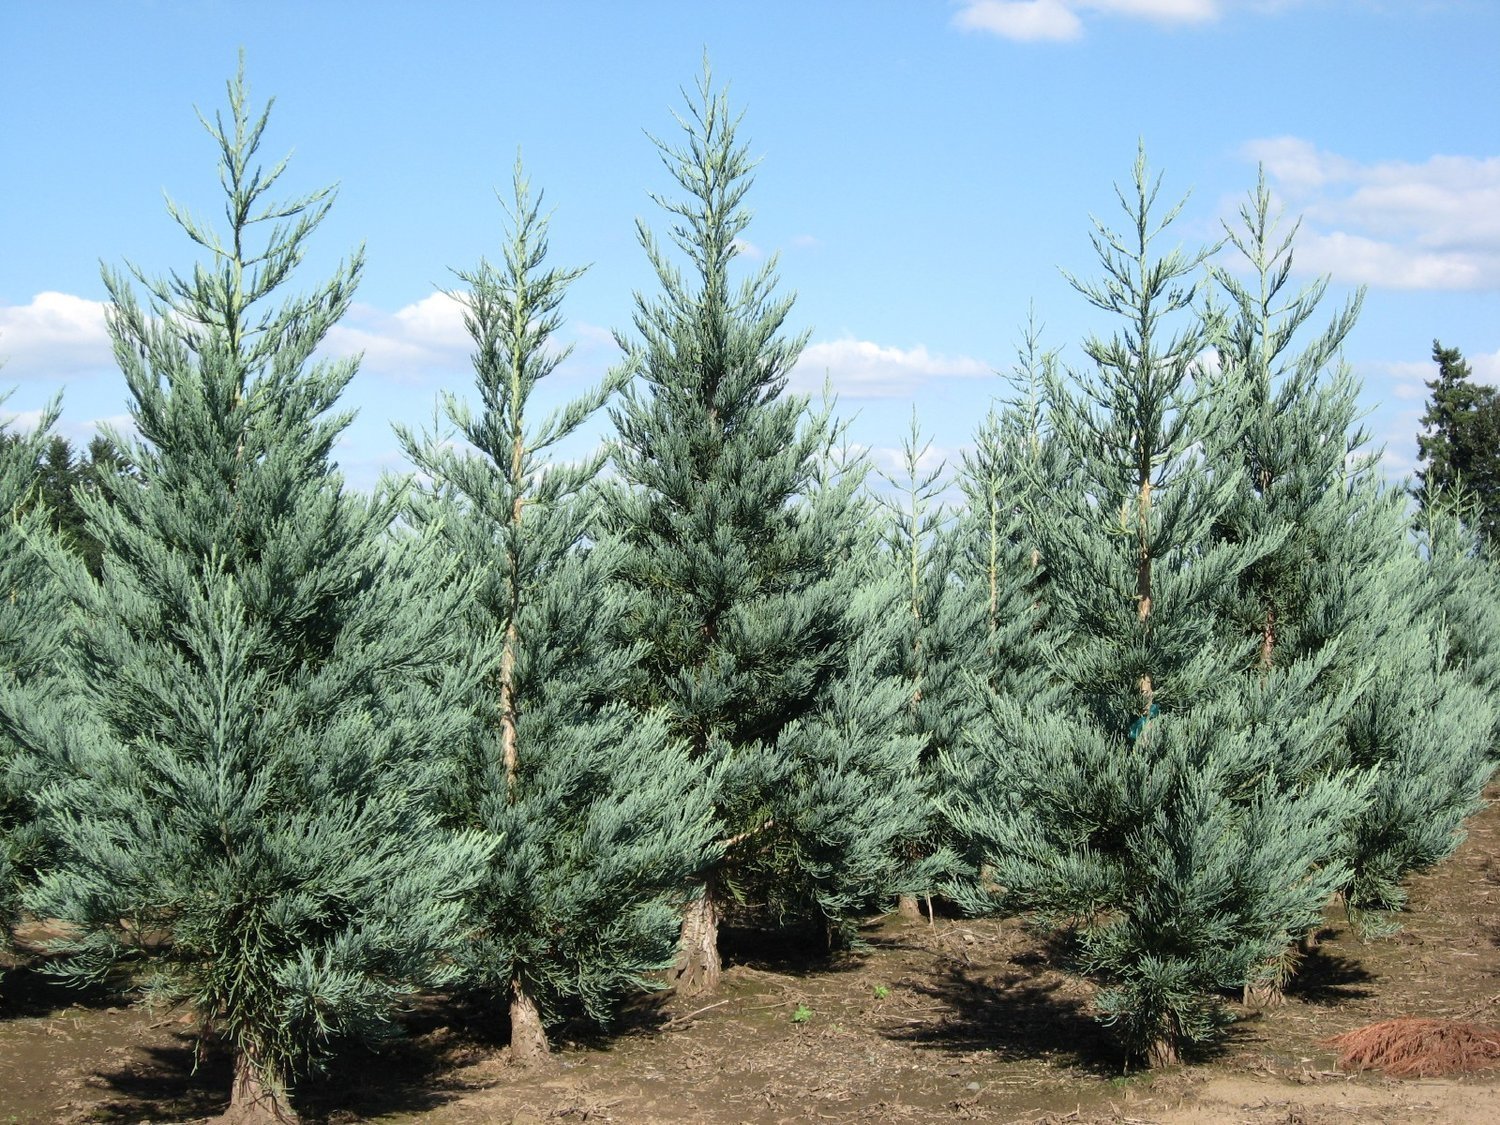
x,y
928,168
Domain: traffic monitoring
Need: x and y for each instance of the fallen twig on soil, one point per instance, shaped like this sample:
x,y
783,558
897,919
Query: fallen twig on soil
x,y
690,1015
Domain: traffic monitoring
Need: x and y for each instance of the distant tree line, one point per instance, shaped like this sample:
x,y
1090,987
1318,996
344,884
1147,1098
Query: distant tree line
x,y
1459,446
61,475
1169,669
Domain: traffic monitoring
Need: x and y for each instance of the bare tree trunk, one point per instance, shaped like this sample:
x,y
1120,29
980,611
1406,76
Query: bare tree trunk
x,y
1143,564
1271,993
1163,1051
909,908
508,655
698,966
256,1097
1264,994
528,1040
508,711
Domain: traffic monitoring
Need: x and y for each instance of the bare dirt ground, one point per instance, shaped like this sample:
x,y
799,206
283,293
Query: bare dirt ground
x,y
958,1021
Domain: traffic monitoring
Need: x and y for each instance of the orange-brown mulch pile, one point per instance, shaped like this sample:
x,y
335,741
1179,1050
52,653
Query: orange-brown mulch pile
x,y
1419,1048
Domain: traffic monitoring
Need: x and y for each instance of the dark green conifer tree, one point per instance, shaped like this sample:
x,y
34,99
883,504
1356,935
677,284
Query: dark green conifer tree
x,y
1460,439
602,815
259,692
1148,806
745,558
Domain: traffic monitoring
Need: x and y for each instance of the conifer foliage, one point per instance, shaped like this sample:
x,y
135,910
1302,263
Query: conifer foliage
x,y
771,658
1144,808
1298,450
1341,593
997,563
258,690
601,815
30,631
938,625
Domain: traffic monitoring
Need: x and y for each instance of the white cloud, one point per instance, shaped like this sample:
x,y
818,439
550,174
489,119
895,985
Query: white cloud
x,y
1486,367
587,337
1405,380
1393,224
414,342
862,369
55,336
1163,11
1024,20
890,460
20,421
748,249
427,340
1040,20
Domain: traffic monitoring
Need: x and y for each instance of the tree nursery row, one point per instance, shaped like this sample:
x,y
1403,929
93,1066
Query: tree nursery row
x,y
1178,672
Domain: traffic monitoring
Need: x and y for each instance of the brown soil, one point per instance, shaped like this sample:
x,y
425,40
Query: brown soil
x,y
961,1021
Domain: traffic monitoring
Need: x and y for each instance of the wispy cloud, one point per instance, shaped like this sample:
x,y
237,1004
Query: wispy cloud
x,y
54,336
890,460
1393,224
863,369
1027,21
1404,380
1030,21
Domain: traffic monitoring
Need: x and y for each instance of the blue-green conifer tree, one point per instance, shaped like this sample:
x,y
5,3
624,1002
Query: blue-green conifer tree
x,y
259,691
998,562
601,814
745,558
30,632
938,625
1341,592
1315,600
1152,807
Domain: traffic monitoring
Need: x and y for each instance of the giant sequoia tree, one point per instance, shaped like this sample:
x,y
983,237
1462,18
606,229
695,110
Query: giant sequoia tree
x,y
997,563
939,627
768,653
30,631
1152,808
1340,593
602,815
258,692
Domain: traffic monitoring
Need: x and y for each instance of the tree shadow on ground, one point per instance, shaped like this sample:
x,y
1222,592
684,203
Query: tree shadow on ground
x,y
29,991
165,1083
1014,1013
1017,1005
792,951
412,1074
1327,978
